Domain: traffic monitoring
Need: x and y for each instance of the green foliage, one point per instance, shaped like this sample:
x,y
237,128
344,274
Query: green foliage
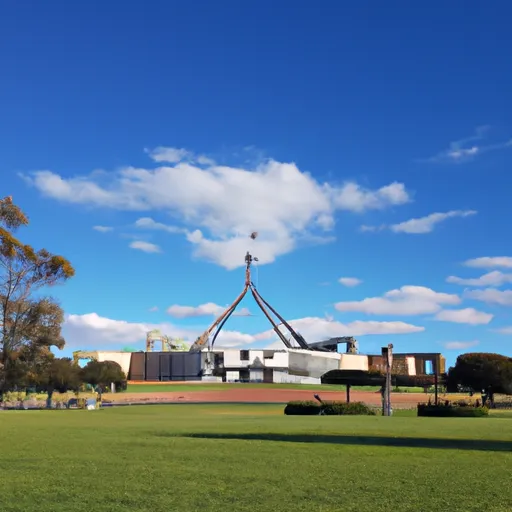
x,y
481,371
446,409
377,378
331,408
25,321
101,374
344,408
302,408
61,375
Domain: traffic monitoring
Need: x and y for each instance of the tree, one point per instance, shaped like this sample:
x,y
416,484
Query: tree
x,y
59,374
482,372
101,374
25,320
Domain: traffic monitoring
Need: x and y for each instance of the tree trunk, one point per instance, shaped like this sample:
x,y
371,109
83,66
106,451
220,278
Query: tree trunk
x,y
49,399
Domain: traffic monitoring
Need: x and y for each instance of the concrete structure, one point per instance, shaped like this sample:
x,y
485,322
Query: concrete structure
x,y
123,359
288,365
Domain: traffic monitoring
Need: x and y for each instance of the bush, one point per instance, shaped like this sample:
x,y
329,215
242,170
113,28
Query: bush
x,y
344,408
448,410
302,408
310,408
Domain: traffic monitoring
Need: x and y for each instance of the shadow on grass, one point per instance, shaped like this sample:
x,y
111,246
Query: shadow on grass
x,y
402,442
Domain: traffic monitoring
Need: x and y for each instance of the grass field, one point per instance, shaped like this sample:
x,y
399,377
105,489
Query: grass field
x,y
205,386
251,458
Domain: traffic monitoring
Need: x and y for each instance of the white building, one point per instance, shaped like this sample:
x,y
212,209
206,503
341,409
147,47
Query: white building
x,y
283,366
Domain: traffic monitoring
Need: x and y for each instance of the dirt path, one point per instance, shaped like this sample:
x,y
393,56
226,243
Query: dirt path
x,y
266,395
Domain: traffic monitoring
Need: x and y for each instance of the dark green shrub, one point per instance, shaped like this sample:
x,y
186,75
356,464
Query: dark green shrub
x,y
344,408
447,410
302,408
310,408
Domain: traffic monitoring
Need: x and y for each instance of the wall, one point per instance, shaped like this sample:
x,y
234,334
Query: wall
x,y
121,358
354,362
411,365
232,376
278,360
312,364
232,359
283,377
256,375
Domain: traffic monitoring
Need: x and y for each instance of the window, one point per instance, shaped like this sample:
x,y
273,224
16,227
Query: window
x,y
244,355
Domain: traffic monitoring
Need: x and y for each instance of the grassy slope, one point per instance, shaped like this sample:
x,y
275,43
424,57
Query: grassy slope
x,y
247,458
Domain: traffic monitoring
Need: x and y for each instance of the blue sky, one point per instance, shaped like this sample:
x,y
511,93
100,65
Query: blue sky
x,y
147,140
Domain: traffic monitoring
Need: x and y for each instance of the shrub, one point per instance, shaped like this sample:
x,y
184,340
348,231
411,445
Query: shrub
x,y
448,410
310,408
302,408
344,408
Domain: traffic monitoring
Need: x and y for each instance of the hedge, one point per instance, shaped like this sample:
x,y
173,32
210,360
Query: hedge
x,y
451,411
302,408
311,408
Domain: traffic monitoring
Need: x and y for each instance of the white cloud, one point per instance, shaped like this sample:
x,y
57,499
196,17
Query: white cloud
x,y
462,151
153,309
168,155
218,206
354,198
420,225
92,331
426,224
491,296
140,245
408,300
490,262
149,223
494,278
460,345
242,312
164,154
349,281
103,229
464,316
317,329
207,309
504,330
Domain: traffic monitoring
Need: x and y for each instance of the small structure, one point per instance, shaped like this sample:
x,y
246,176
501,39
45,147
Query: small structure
x,y
167,344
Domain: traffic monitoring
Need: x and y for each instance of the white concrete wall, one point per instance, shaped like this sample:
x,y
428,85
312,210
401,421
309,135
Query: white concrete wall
x,y
232,376
278,360
256,375
256,358
283,377
411,365
312,364
121,358
353,362
232,359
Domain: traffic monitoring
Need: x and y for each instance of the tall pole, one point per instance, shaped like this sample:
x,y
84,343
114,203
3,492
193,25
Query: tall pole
x,y
387,354
388,376
436,383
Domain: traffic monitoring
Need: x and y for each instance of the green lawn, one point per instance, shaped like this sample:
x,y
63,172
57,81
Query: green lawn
x,y
251,458
204,386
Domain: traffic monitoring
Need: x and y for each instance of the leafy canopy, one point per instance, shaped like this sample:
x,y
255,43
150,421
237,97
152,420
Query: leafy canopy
x,y
482,371
26,320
